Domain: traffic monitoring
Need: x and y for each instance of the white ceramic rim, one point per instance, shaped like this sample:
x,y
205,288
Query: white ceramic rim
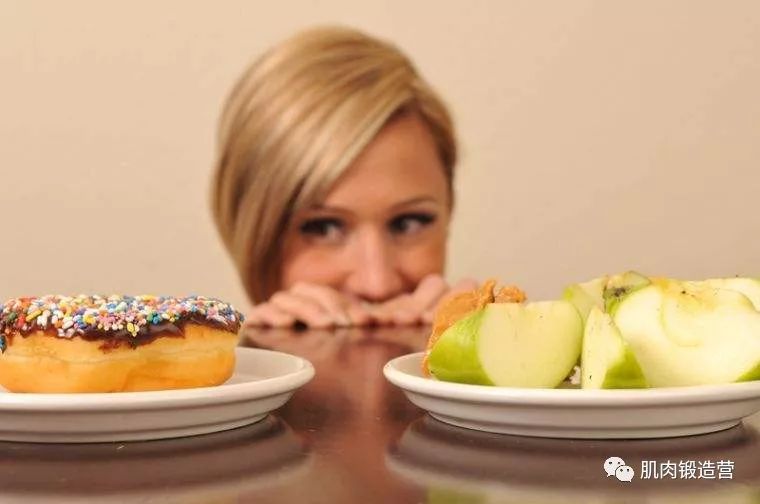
x,y
566,397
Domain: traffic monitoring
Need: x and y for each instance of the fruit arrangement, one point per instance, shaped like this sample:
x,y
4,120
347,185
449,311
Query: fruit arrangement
x,y
623,331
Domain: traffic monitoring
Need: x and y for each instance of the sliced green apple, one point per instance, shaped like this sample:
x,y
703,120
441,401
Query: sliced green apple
x,y
509,344
607,361
692,308
686,333
586,295
620,286
750,287
454,357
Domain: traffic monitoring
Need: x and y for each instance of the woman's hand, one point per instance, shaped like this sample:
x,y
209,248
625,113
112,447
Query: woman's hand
x,y
418,307
316,306
322,307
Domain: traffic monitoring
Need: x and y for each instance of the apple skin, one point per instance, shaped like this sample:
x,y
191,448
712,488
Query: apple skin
x,y
605,353
512,345
635,332
620,286
584,296
626,374
455,357
751,375
604,292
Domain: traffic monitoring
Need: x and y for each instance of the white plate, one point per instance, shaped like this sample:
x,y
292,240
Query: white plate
x,y
262,382
575,413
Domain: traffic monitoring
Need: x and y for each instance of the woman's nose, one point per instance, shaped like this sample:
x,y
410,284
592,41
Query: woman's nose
x,y
374,275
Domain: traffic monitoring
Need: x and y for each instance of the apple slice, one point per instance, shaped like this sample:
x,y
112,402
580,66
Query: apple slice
x,y
606,360
512,345
687,333
586,295
750,287
620,286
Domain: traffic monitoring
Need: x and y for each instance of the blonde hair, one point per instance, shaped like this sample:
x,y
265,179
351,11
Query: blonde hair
x,y
294,122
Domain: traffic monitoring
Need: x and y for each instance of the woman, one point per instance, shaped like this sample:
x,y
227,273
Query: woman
x,y
333,187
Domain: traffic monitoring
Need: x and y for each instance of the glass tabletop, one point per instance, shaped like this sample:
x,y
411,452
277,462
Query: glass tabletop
x,y
350,436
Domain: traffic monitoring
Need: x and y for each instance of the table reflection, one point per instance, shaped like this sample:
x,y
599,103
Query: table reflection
x,y
459,465
349,412
350,436
224,467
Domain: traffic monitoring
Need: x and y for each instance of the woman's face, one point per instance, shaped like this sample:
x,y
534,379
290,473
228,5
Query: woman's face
x,y
383,225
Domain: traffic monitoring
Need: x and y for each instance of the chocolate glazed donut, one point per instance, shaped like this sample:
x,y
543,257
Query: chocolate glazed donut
x,y
116,343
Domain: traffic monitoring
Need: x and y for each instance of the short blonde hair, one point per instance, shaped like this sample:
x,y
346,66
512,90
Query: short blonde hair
x,y
294,122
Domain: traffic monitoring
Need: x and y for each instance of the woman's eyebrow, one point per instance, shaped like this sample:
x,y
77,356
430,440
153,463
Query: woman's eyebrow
x,y
415,201
407,202
328,209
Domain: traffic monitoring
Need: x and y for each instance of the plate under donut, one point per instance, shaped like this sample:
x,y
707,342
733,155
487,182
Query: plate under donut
x,y
263,381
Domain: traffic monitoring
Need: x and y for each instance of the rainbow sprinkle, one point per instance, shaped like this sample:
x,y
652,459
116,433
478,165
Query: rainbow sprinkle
x,y
133,315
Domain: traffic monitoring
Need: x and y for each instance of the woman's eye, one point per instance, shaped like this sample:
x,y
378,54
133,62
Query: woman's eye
x,y
410,223
323,229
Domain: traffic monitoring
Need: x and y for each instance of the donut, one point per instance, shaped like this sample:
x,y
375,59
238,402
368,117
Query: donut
x,y
90,343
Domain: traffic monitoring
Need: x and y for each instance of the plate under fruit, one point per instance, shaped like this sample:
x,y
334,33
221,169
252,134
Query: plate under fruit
x,y
263,381
576,413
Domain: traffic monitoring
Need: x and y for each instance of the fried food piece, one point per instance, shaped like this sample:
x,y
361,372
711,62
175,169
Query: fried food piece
x,y
456,307
510,294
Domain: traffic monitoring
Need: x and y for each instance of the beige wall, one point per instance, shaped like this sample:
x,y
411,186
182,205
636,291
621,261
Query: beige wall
x,y
597,135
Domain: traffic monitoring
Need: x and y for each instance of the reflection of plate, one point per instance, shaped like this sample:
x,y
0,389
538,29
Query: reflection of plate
x,y
221,467
573,413
263,381
466,464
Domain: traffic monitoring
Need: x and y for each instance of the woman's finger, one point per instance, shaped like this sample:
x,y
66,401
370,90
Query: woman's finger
x,y
302,308
268,315
331,301
253,318
406,317
359,315
402,310
382,313
428,292
417,307
464,285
